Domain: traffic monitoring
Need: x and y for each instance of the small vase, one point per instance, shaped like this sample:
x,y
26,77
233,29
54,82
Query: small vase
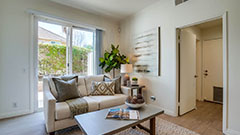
x,y
134,82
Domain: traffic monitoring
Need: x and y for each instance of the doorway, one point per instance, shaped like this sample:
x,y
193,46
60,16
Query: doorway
x,y
62,49
200,66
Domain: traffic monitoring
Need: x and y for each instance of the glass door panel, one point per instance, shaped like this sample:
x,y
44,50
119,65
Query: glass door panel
x,y
82,51
51,53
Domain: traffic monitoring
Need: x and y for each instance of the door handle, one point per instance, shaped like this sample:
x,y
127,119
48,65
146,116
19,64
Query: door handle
x,y
206,74
195,76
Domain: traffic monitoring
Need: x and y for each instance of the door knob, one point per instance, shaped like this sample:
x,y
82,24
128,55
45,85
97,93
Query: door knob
x,y
205,74
195,76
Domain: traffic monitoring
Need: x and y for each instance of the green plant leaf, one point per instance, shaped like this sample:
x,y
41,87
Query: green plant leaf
x,y
101,60
127,60
113,47
106,55
115,64
115,51
112,59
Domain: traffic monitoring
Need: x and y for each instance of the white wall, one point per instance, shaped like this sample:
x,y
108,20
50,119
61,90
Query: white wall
x,y
15,47
168,16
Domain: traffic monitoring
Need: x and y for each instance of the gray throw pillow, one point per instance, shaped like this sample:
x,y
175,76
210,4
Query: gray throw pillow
x,y
66,89
117,82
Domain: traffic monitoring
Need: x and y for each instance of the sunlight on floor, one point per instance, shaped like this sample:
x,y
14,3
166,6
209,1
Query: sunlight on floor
x,y
40,99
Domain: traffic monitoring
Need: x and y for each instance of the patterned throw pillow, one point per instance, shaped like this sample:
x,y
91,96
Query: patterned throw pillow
x,y
103,88
117,81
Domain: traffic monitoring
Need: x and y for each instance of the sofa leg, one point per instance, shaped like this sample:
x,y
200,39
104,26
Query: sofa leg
x,y
52,133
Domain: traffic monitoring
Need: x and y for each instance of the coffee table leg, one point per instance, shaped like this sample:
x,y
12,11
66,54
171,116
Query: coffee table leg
x,y
152,126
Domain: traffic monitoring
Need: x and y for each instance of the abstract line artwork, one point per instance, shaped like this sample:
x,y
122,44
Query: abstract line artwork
x,y
146,50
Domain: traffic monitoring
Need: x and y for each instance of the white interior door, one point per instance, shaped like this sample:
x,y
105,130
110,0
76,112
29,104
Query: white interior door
x,y
187,72
212,67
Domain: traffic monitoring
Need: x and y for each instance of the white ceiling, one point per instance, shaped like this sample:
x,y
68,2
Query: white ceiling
x,y
116,9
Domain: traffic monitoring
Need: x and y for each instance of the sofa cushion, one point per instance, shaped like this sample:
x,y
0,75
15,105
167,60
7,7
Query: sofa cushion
x,y
92,104
109,101
63,111
81,86
89,79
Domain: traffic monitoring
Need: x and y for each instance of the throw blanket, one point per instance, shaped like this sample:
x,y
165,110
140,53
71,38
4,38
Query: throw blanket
x,y
77,106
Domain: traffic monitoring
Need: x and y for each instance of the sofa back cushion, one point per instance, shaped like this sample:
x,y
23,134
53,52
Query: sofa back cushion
x,y
52,87
81,86
90,79
84,84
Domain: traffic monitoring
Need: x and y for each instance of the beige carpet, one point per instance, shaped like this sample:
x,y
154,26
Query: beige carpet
x,y
163,127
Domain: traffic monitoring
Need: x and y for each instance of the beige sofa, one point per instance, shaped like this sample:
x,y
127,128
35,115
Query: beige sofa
x,y
57,114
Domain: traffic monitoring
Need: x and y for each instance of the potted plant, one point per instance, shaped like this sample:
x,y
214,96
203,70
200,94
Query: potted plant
x,y
134,81
112,60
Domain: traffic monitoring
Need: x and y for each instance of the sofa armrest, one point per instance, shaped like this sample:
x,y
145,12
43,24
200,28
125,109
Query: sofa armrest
x,y
126,90
49,107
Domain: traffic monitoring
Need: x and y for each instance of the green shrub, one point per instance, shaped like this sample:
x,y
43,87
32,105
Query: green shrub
x,y
52,59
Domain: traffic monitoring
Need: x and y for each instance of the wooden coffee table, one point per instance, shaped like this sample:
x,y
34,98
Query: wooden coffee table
x,y
95,123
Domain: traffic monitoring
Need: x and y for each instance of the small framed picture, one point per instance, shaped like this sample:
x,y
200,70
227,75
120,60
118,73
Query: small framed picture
x,y
134,92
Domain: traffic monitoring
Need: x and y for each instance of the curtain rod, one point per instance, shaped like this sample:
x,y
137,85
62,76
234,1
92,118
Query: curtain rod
x,y
50,16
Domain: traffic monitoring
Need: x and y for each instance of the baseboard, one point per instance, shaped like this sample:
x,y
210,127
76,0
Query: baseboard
x,y
216,102
169,112
14,114
166,111
231,132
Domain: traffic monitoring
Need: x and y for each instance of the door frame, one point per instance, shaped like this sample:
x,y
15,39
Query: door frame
x,y
224,18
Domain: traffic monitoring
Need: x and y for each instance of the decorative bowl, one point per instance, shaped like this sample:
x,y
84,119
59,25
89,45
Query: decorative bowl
x,y
134,106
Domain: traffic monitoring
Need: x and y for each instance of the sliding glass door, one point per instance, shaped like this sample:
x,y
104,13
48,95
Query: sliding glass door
x,y
63,49
52,53
82,51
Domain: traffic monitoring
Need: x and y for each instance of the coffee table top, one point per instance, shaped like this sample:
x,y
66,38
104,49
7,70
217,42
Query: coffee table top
x,y
95,123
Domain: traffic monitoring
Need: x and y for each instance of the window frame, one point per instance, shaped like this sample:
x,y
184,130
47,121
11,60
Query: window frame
x,y
69,36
